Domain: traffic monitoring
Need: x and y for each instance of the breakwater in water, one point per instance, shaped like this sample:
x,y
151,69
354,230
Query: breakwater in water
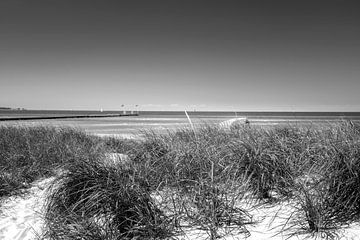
x,y
13,115
60,117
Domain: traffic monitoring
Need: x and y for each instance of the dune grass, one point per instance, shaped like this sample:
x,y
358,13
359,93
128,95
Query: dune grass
x,y
188,179
316,167
30,153
95,200
329,198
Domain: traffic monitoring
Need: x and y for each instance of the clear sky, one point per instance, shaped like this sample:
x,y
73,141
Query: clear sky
x,y
289,55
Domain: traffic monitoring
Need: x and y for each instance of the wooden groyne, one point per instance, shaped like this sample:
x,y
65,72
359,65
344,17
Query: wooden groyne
x,y
17,118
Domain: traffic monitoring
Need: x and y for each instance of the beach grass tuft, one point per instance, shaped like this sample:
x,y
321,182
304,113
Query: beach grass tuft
x,y
105,202
30,153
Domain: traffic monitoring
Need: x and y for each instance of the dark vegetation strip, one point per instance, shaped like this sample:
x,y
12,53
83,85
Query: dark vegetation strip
x,y
183,179
30,153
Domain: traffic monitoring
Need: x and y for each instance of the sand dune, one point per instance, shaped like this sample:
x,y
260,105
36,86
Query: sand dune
x,y
22,218
228,124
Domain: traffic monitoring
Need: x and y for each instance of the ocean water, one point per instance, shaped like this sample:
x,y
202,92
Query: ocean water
x,y
131,126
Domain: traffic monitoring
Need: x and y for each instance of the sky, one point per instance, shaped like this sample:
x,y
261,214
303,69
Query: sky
x,y
243,55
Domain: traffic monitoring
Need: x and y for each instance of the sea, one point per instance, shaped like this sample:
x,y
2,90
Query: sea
x,y
162,121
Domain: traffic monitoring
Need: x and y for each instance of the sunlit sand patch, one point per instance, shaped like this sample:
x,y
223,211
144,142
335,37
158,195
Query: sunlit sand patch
x,y
233,123
21,217
120,135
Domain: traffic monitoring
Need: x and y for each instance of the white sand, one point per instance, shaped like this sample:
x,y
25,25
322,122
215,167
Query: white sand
x,y
129,136
269,227
22,218
231,122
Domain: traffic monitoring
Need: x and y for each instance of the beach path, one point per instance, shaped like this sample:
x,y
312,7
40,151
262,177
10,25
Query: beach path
x,y
21,217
